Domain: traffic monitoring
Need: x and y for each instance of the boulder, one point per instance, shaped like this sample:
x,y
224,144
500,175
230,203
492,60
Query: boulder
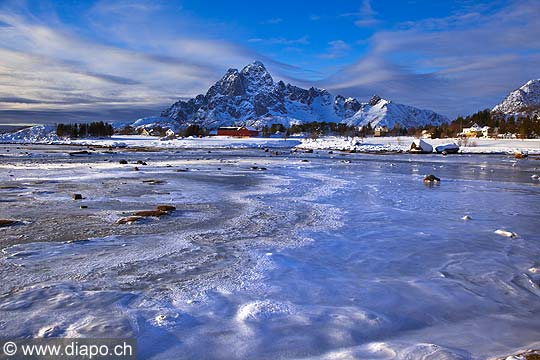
x,y
7,222
147,213
520,155
129,220
431,179
419,146
154,182
76,197
450,148
123,162
166,208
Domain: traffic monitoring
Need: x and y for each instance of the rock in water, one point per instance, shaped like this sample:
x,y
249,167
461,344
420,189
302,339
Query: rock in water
x,y
520,155
466,217
506,233
76,197
431,179
146,213
166,208
7,222
129,220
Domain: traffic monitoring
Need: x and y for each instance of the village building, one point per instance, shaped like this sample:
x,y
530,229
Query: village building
x,y
380,131
237,131
477,131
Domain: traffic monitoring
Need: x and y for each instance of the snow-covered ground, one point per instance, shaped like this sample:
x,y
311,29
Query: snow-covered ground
x,y
393,144
43,135
302,255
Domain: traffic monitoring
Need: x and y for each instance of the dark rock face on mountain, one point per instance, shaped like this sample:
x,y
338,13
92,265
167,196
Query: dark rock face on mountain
x,y
252,97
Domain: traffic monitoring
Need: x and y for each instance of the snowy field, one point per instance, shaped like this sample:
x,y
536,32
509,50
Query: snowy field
x,y
45,135
272,254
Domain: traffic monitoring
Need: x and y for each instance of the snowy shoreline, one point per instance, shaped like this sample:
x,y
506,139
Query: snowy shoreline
x,y
361,145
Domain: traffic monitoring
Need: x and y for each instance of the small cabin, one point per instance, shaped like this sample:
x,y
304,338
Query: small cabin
x,y
241,131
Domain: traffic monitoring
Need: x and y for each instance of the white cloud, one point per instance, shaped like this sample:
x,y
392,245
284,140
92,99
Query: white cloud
x,y
46,65
456,65
336,49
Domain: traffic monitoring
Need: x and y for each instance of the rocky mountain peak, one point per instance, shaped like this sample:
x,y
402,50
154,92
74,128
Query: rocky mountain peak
x,y
526,100
251,97
255,76
374,100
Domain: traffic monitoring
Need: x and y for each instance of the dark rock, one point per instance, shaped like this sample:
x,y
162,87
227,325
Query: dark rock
x,y
140,162
76,197
83,152
154,182
135,168
84,207
431,179
7,222
123,162
166,208
129,219
147,213
521,155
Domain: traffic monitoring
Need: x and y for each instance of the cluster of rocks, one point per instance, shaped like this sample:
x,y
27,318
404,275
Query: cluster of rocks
x,y
160,210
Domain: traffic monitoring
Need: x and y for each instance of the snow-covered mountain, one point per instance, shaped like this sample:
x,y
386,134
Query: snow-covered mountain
x,y
525,100
252,97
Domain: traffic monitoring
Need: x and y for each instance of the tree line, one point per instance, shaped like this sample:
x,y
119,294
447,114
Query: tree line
x,y
524,127
93,129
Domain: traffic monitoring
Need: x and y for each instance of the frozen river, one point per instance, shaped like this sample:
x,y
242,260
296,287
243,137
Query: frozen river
x,y
292,256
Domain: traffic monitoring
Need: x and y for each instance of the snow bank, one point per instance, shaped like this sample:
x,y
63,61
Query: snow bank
x,y
34,134
401,144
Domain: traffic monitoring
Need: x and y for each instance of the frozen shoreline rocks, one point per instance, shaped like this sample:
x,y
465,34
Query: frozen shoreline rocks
x,y
419,146
450,148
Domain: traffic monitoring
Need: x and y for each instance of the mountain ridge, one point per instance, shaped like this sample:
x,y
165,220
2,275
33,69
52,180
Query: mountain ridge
x,y
525,100
251,97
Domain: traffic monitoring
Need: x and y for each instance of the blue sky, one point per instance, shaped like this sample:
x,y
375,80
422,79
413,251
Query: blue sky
x,y
118,60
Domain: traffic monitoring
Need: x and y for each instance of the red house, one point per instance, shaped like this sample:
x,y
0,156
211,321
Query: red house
x,y
241,131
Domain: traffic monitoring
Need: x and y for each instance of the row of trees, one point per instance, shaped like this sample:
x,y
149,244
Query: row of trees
x,y
523,126
94,129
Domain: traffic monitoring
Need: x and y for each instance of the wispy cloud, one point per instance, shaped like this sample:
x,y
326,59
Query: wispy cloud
x,y
366,15
272,21
47,66
304,40
336,49
456,65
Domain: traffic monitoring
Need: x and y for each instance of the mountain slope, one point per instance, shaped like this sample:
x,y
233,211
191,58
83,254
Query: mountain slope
x,y
525,100
252,97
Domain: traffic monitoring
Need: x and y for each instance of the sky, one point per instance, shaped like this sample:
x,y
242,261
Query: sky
x,y
75,60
